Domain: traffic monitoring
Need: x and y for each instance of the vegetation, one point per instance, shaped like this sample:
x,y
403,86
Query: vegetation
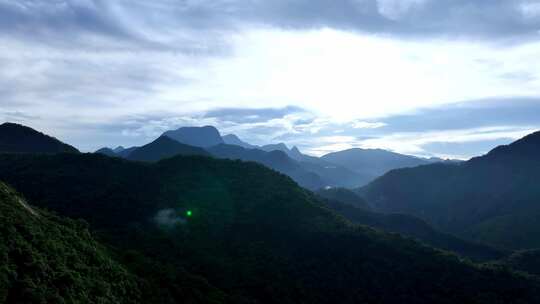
x,y
493,198
253,236
414,227
48,259
525,260
345,196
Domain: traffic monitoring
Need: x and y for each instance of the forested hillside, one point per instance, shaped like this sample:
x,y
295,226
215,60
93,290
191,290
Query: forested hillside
x,y
493,198
239,232
49,259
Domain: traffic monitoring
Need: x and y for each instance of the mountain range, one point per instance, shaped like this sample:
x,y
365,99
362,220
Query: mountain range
x,y
351,168
224,231
199,229
494,199
373,162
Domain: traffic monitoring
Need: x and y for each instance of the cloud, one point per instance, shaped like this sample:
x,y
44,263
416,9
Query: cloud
x,y
96,72
510,111
367,125
475,141
246,115
158,22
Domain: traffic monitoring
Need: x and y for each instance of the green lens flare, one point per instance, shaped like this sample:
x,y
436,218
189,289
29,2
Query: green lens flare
x,y
189,213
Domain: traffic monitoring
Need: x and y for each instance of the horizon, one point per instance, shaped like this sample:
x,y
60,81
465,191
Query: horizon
x,y
322,76
289,147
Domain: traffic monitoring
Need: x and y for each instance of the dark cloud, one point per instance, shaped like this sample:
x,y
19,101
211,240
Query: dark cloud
x,y
137,20
67,17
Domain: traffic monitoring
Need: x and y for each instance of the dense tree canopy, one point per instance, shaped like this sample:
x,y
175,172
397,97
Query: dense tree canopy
x,y
251,236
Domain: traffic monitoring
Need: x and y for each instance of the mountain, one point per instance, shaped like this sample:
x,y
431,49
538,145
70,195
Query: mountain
x,y
50,259
525,260
232,139
203,137
124,153
343,195
372,162
163,147
276,160
118,149
293,153
309,171
443,160
243,233
16,138
107,151
414,227
492,199
332,174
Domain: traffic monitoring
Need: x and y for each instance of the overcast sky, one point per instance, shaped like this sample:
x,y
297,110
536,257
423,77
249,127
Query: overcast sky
x,y
451,78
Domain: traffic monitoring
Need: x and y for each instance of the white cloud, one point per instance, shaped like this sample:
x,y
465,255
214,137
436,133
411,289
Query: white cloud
x,y
413,142
367,125
88,73
530,9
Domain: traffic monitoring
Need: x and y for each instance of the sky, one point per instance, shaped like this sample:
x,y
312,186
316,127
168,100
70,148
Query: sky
x,y
447,78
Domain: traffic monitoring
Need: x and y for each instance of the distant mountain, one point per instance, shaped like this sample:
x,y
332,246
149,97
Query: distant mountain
x,y
275,147
124,153
276,160
49,259
232,139
344,196
444,160
15,138
203,230
309,171
118,149
333,175
293,153
492,199
203,137
372,162
163,147
107,151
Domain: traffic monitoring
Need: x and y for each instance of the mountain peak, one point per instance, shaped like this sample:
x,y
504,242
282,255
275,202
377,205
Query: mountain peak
x,y
532,139
118,149
528,146
232,139
164,147
280,147
106,151
203,137
16,138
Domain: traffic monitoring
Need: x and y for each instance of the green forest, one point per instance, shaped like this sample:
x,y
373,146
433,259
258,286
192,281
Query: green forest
x,y
253,236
